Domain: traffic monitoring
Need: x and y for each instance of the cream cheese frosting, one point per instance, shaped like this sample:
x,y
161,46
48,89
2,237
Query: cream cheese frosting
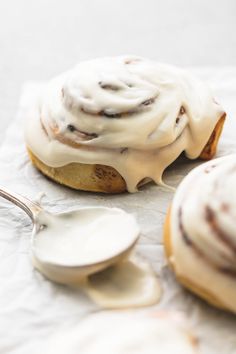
x,y
127,284
127,112
90,248
203,229
125,333
84,236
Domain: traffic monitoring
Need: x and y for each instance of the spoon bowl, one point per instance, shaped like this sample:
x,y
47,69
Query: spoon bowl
x,y
65,274
68,247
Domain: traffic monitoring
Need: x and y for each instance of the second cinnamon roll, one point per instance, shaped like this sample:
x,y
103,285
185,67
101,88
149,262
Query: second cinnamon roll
x,y
200,232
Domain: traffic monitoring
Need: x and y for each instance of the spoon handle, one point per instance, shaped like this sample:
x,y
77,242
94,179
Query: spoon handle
x,y
31,208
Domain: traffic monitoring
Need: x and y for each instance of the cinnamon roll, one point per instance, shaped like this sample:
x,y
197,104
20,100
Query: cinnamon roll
x,y
200,232
110,124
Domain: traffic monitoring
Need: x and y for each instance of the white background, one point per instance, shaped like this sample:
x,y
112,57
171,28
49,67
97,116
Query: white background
x,y
39,39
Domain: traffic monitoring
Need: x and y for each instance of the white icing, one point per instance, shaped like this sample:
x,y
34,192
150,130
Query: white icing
x,y
124,333
127,284
71,247
85,236
214,190
153,111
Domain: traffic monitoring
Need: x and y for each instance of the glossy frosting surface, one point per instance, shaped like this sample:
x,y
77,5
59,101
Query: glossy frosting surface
x,y
84,236
128,284
130,113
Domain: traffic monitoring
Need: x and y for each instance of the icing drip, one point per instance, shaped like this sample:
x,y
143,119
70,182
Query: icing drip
x,y
130,113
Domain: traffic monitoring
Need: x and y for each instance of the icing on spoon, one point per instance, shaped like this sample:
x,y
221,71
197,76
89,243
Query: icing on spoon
x,y
68,246
90,248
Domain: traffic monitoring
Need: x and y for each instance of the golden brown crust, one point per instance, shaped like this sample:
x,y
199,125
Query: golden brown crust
x,y
101,178
209,150
94,178
187,283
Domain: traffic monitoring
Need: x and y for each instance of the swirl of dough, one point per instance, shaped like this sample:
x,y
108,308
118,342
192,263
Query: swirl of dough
x,y
108,106
203,228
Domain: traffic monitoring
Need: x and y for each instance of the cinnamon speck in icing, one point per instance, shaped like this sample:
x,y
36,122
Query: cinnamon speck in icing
x,y
130,113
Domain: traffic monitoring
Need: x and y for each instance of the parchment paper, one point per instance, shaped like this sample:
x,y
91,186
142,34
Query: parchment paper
x,y
33,308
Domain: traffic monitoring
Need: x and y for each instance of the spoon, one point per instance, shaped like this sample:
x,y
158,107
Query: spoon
x,y
62,254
